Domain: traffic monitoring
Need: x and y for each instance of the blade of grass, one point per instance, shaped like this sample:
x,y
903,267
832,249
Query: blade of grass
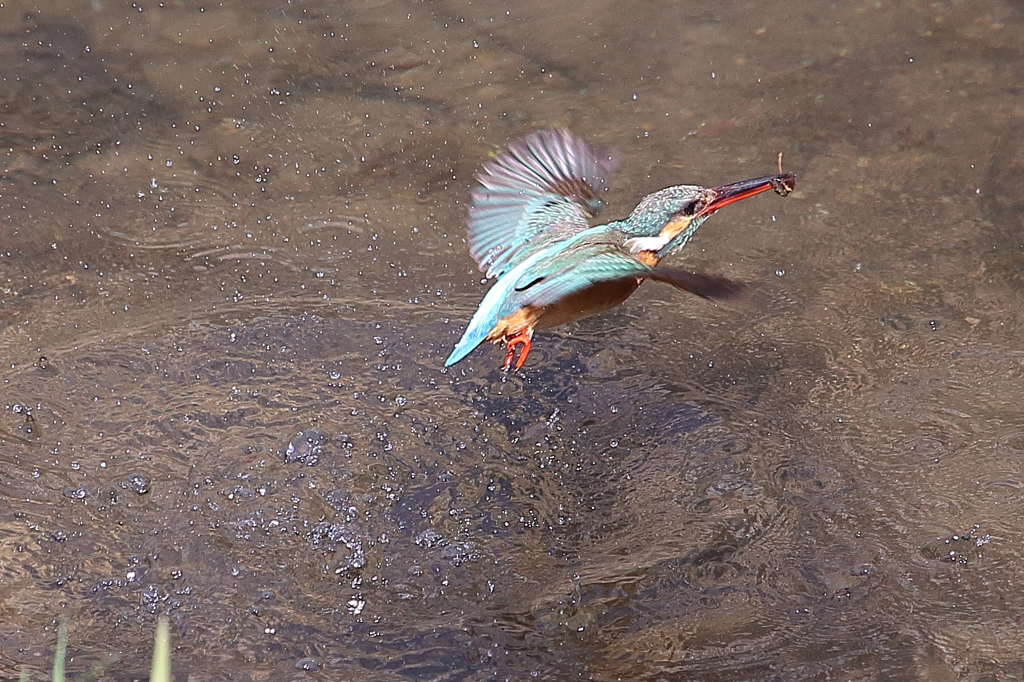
x,y
160,670
62,649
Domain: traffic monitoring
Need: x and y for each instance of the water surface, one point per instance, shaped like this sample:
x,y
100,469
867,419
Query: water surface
x,y
233,260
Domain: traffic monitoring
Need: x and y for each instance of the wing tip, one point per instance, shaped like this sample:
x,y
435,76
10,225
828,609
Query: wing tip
x,y
711,287
545,159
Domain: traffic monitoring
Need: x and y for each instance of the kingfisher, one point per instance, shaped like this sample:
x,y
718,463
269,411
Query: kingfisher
x,y
529,227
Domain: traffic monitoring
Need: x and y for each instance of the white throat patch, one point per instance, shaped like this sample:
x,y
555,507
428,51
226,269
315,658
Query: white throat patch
x,y
638,244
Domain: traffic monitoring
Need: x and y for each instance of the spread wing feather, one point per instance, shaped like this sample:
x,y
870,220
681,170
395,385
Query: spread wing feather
x,y
544,185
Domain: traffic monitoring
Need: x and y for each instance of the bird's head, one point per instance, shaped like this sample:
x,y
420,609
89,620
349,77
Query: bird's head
x,y
665,220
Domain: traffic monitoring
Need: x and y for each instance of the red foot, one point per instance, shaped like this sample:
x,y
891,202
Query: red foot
x,y
524,339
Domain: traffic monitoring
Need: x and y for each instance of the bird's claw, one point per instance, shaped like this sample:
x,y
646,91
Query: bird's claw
x,y
524,339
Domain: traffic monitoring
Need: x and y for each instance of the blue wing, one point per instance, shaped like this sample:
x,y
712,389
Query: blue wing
x,y
586,264
576,269
500,300
552,274
544,184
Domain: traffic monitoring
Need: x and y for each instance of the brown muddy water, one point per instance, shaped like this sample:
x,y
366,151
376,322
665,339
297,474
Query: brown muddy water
x,y
233,260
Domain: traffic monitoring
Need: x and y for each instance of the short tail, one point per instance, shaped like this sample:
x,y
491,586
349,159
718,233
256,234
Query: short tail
x,y
473,337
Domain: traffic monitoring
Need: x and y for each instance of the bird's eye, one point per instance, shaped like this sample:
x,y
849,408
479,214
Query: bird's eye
x,y
688,209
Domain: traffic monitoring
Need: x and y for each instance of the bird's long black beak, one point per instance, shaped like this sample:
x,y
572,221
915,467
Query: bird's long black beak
x,y
717,197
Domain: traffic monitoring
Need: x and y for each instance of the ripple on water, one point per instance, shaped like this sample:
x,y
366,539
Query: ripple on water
x,y
400,500
196,205
319,479
380,505
812,481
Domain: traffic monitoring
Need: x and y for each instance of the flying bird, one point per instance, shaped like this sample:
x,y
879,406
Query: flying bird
x,y
529,227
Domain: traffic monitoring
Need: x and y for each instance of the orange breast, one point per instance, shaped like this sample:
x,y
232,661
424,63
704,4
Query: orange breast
x,y
590,301
648,258
524,318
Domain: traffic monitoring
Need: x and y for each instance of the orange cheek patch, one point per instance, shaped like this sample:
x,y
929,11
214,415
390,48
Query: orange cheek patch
x,y
675,227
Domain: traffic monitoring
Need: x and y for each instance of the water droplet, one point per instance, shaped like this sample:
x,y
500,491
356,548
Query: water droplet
x,y
137,483
306,447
